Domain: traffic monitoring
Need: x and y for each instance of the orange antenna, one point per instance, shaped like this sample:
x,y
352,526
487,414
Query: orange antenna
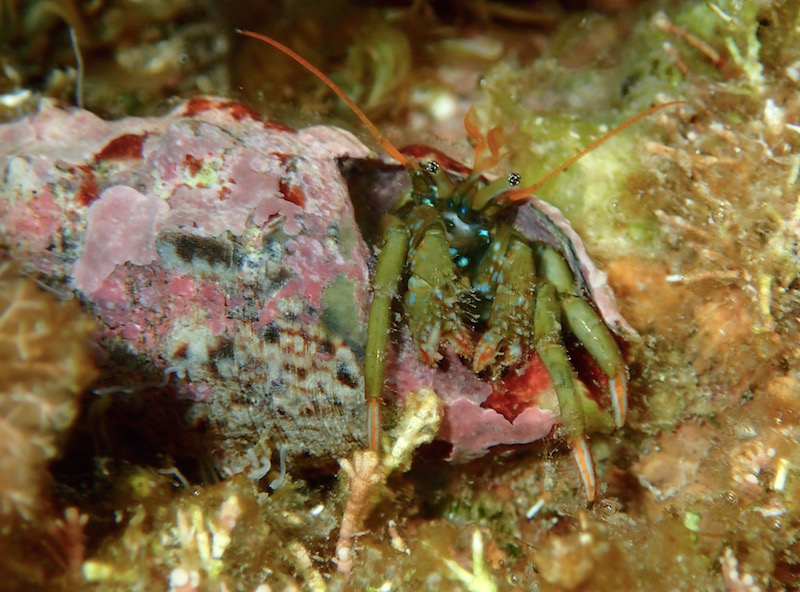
x,y
523,192
387,145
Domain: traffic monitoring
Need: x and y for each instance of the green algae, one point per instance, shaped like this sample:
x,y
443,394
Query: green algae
x,y
340,314
556,110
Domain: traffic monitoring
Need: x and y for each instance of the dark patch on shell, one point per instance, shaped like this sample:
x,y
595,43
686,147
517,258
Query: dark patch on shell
x,y
224,349
88,190
122,147
346,376
192,164
190,248
271,333
181,351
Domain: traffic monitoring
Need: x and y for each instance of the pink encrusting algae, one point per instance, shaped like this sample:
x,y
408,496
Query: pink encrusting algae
x,y
121,229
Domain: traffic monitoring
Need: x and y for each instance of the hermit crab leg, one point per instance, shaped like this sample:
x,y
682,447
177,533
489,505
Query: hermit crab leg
x,y
550,347
584,322
593,334
388,273
485,278
583,458
509,326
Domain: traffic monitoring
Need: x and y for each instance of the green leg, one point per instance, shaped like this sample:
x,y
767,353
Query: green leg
x,y
484,279
595,336
550,347
592,332
579,316
587,326
388,273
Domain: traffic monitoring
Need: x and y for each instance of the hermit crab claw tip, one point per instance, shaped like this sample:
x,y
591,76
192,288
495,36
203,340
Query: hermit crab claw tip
x,y
583,458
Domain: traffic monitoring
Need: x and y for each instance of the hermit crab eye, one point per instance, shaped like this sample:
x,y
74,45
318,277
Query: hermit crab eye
x,y
432,167
514,179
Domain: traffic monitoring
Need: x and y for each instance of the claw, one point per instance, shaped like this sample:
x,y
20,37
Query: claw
x,y
457,337
618,389
486,351
507,272
461,341
429,347
583,458
434,297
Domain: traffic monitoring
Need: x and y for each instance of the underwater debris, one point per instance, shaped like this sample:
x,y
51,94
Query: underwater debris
x,y
569,560
178,545
734,581
116,57
364,477
305,567
479,580
418,424
69,540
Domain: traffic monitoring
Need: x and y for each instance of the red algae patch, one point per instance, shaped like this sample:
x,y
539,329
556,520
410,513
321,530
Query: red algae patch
x,y
122,147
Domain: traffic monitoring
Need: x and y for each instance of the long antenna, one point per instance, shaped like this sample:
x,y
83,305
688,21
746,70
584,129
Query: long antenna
x,y
387,145
523,192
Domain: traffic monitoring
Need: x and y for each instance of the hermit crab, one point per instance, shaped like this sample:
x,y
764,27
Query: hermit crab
x,y
471,278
